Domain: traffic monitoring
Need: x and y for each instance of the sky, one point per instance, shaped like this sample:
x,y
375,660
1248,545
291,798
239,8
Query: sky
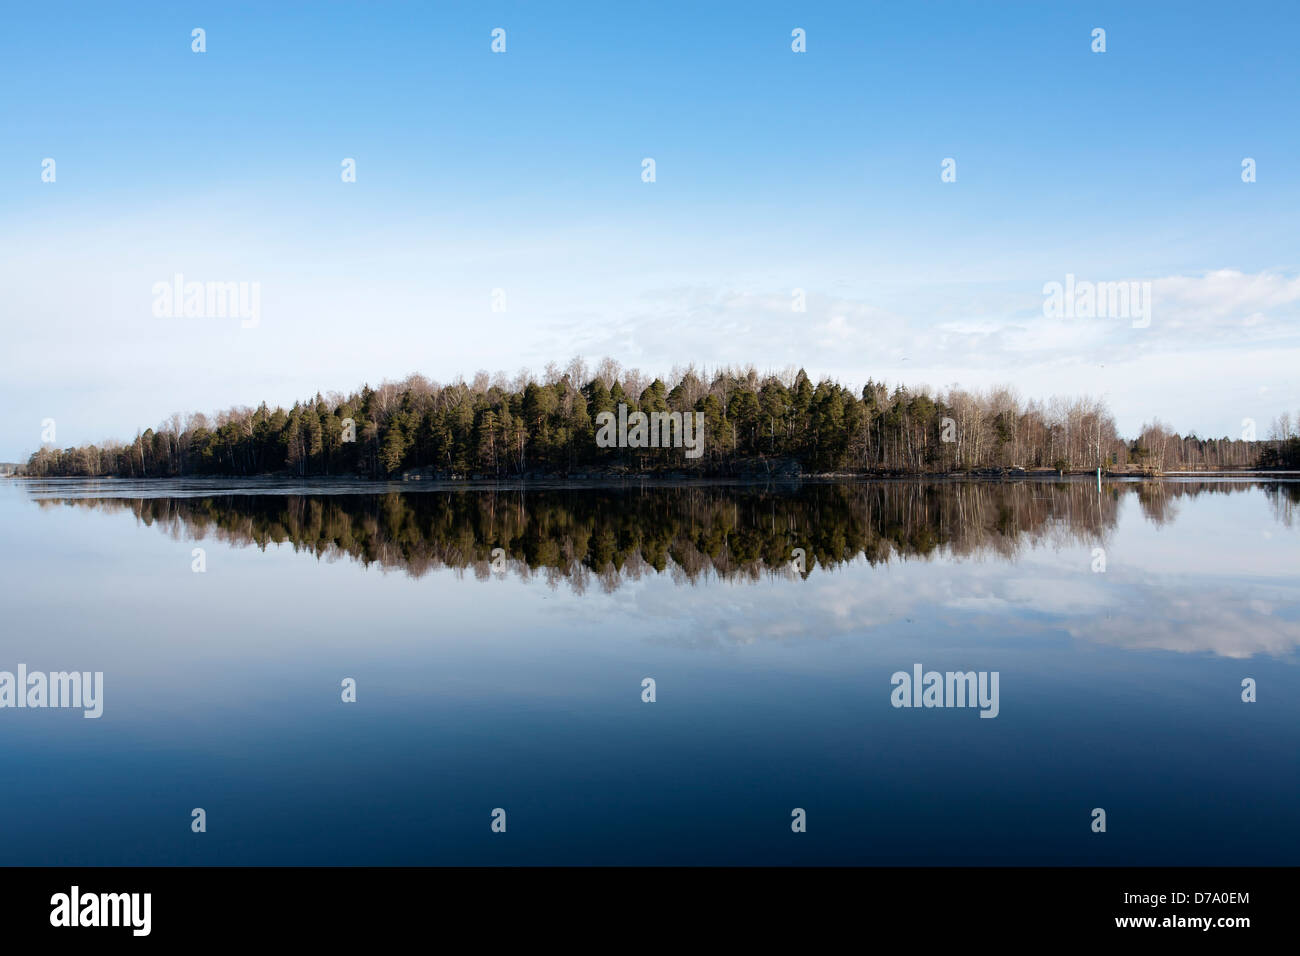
x,y
522,172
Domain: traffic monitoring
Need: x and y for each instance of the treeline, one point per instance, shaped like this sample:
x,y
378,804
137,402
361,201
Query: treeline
x,y
784,424
1283,451
610,535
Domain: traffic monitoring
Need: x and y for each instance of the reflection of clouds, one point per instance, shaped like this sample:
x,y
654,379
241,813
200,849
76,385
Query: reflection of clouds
x,y
1215,619
1046,595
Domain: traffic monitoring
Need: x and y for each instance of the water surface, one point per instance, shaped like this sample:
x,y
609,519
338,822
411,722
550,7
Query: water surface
x,y
499,639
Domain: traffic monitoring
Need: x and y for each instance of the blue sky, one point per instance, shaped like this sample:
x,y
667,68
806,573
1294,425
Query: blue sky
x,y
522,172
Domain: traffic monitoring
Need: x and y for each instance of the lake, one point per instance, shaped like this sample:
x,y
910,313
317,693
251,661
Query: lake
x,y
499,641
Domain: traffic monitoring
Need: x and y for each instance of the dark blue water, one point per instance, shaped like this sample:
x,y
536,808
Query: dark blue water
x,y
520,688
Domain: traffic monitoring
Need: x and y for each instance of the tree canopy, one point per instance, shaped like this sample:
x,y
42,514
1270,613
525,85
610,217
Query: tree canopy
x,y
491,427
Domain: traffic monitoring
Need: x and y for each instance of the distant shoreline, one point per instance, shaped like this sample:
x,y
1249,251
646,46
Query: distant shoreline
x,y
593,482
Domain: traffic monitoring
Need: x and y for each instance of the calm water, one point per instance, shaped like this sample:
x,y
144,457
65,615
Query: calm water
x,y
514,679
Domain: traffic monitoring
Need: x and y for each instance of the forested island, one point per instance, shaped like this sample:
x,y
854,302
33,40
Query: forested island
x,y
755,425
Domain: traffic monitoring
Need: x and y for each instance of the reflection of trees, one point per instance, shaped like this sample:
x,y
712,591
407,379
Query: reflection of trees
x,y
1285,499
1159,499
610,535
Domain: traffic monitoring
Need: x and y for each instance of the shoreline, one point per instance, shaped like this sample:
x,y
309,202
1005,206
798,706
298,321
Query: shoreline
x,y
253,483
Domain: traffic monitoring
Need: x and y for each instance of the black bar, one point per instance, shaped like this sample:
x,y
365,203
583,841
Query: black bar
x,y
670,905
